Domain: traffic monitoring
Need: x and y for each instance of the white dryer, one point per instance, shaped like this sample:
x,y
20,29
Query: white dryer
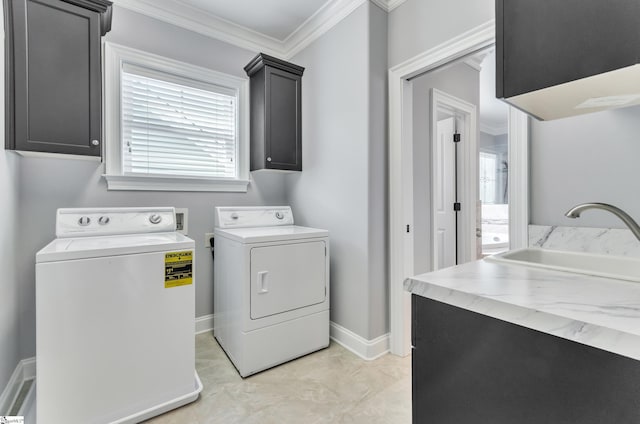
x,y
271,287
115,308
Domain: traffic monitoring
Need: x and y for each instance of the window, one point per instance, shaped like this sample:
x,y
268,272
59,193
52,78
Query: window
x,y
173,126
488,169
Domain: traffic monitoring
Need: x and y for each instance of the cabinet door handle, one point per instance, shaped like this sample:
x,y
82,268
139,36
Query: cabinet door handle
x,y
262,282
95,142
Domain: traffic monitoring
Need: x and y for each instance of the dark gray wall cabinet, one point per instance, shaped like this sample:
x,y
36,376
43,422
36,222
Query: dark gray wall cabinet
x,y
53,75
469,368
544,43
276,124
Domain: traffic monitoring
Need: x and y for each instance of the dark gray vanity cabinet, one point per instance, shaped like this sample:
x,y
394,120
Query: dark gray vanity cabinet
x,y
53,78
276,124
545,43
468,368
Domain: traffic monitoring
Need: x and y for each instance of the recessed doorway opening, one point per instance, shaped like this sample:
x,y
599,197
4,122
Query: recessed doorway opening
x,y
404,220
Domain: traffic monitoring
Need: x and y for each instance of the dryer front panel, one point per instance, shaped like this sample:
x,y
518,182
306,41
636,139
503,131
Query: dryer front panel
x,y
287,277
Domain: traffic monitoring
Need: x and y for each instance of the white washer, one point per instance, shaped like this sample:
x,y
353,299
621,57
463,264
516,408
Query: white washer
x,y
115,310
271,287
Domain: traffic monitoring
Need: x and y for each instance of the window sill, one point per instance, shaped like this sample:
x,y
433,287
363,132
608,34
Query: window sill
x,y
148,183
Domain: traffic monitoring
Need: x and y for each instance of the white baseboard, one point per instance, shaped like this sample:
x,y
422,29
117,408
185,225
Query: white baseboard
x,y
28,404
366,349
25,370
204,324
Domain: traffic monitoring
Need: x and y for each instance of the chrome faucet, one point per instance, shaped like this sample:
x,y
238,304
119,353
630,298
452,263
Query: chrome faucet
x,y
575,211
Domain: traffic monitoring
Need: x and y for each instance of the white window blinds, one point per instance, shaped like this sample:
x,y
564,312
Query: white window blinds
x,y
177,126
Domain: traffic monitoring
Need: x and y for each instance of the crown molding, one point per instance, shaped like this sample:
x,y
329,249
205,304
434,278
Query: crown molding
x,y
320,22
387,5
498,129
182,14
475,61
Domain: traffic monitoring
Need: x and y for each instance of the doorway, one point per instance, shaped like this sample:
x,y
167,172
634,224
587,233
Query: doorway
x,y
493,161
453,193
401,166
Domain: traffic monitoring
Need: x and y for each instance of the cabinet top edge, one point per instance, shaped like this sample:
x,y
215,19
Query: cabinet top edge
x,y
100,6
103,7
262,60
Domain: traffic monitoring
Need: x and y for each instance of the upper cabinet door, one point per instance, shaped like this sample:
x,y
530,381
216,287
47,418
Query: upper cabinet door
x,y
284,132
55,66
276,109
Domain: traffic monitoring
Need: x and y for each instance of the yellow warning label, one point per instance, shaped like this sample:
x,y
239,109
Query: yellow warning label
x,y
178,269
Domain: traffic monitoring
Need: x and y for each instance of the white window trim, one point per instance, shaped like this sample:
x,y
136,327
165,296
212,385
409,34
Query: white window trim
x,y
114,57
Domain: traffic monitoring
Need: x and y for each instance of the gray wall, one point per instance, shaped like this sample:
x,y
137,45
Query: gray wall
x,y
342,187
418,25
9,309
9,312
377,175
493,143
47,184
589,158
461,81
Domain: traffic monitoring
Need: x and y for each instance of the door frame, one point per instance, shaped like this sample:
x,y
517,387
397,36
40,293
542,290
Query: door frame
x,y
401,264
466,169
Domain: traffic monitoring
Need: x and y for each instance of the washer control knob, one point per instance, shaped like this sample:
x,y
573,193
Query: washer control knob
x,y
103,220
155,218
84,221
234,216
279,215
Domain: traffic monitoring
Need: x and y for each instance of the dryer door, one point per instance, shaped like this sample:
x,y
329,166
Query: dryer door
x,y
286,277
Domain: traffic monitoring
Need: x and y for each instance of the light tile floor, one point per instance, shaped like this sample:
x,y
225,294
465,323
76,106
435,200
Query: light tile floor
x,y
329,386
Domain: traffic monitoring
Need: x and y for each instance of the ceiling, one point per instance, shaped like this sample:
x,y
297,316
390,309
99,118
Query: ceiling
x,y
274,18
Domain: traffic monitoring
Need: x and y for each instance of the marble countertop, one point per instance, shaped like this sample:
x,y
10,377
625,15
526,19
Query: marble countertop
x,y
594,311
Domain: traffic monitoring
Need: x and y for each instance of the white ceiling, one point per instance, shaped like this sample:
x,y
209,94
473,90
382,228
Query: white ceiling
x,y
274,18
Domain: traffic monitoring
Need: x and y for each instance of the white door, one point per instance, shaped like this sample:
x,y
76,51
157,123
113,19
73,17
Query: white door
x,y
287,277
445,194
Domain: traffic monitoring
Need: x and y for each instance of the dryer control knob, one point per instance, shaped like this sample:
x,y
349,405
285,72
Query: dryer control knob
x,y
103,220
155,219
279,215
84,221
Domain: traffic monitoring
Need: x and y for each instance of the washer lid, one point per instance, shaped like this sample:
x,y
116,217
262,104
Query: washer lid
x,y
66,249
264,234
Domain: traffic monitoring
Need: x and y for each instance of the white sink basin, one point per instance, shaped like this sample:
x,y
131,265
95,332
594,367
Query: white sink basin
x,y
619,267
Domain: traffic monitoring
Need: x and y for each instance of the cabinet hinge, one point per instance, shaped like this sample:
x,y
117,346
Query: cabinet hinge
x,y
456,206
407,228
456,138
